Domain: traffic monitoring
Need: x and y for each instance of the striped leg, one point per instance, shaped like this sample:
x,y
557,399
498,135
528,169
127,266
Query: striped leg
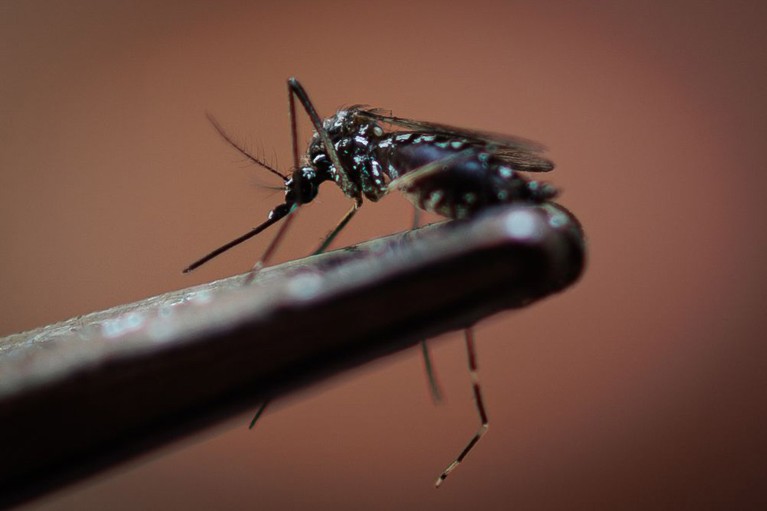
x,y
472,356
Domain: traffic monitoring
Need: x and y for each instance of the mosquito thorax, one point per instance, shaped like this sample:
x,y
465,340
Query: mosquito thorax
x,y
354,139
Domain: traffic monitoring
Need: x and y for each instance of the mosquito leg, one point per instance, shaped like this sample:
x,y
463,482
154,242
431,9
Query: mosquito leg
x,y
297,175
472,356
258,413
297,90
345,220
271,248
425,171
296,164
434,387
294,125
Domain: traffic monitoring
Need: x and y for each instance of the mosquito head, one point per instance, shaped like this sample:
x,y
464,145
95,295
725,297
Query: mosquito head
x,y
302,187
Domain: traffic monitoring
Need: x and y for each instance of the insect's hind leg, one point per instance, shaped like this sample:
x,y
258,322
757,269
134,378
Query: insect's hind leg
x,y
434,387
427,170
472,358
431,376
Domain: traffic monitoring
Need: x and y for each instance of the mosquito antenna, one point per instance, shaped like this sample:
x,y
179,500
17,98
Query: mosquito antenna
x,y
276,214
241,149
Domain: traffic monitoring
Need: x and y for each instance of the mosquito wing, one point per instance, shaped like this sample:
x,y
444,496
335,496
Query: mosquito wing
x,y
520,153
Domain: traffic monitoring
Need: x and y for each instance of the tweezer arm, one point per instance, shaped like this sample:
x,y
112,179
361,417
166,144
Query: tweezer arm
x,y
80,395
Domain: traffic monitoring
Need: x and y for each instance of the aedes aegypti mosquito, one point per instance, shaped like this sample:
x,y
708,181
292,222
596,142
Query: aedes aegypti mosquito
x,y
454,172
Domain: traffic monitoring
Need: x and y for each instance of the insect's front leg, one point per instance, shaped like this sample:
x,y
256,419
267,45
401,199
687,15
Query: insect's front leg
x,y
345,220
296,90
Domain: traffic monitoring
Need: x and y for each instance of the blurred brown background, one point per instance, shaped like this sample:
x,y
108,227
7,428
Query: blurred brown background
x,y
641,388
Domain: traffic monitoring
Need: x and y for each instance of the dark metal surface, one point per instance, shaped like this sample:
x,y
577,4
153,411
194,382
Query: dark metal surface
x,y
86,393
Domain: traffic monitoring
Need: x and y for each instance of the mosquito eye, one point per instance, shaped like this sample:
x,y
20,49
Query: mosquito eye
x,y
308,190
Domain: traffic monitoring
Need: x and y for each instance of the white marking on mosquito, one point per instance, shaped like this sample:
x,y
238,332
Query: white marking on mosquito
x,y
375,168
434,198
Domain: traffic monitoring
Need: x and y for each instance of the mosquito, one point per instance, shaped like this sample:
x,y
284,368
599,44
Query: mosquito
x,y
368,153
